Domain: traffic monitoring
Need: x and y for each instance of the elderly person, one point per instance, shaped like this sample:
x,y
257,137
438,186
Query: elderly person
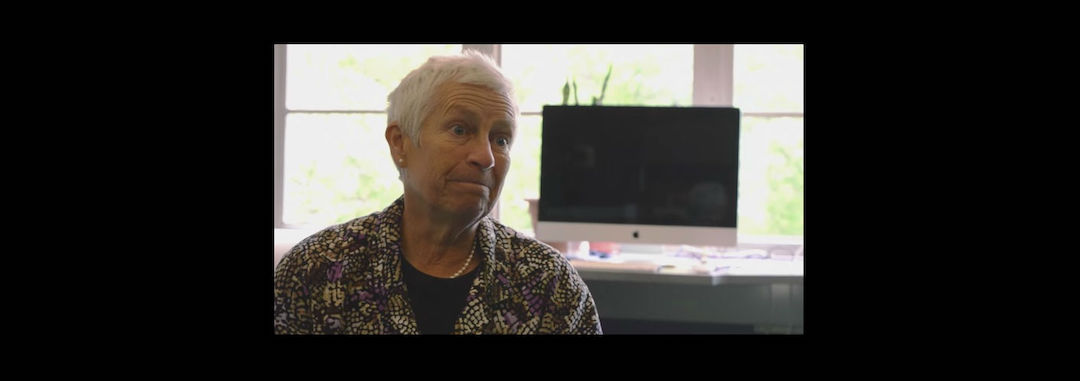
x,y
433,262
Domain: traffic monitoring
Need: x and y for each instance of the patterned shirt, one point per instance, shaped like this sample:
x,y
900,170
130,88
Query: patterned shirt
x,y
347,279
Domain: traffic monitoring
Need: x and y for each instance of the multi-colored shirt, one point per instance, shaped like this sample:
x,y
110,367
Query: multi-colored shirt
x,y
347,279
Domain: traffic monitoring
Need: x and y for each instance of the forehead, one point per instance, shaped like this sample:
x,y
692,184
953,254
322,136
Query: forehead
x,y
473,100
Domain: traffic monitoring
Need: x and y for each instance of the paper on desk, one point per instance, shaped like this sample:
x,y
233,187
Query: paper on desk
x,y
634,266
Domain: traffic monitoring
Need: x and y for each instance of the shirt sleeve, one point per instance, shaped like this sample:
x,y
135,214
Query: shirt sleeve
x,y
292,312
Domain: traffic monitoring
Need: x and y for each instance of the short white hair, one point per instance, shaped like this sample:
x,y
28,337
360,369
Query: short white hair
x,y
412,100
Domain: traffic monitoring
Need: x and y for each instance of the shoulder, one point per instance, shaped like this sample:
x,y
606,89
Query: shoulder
x,y
310,253
532,258
329,245
521,248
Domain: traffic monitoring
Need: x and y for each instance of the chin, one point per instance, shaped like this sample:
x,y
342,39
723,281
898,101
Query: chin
x,y
468,208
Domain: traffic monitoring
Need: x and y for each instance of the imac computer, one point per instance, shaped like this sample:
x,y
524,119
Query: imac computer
x,y
649,175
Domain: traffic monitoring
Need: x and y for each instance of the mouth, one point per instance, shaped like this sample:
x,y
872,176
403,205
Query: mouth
x,y
472,183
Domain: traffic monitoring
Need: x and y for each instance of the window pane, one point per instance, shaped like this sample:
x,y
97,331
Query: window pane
x,y
523,180
655,75
771,176
768,78
337,167
350,77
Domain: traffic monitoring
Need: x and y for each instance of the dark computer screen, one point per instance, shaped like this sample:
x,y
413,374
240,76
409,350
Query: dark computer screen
x,y
640,165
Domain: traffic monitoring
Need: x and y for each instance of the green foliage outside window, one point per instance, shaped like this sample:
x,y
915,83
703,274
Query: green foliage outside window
x,y
785,202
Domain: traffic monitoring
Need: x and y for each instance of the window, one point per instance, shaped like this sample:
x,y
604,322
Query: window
x,y
660,75
768,88
336,163
653,75
336,166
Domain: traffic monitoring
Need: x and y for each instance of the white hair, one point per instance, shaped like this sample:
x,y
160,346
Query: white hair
x,y
412,100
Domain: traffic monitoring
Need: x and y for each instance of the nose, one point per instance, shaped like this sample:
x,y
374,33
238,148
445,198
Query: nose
x,y
480,155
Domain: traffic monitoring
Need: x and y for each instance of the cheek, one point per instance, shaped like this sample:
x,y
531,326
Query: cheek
x,y
503,167
504,158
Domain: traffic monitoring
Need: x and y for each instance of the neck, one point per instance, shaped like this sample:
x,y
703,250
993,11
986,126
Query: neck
x,y
436,246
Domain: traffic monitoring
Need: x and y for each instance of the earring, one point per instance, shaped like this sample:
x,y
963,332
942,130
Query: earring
x,y
400,160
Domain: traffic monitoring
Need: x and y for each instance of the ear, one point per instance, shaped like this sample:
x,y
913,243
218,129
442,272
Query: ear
x,y
396,140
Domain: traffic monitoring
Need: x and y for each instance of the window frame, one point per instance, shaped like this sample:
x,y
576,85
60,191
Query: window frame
x,y
281,113
713,85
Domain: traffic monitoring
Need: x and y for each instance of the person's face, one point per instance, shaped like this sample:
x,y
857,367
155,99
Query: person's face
x,y
464,151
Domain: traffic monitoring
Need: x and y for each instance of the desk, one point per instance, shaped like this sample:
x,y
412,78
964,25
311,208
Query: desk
x,y
638,295
651,268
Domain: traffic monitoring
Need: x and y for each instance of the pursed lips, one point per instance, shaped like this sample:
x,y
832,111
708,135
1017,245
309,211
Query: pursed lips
x,y
473,182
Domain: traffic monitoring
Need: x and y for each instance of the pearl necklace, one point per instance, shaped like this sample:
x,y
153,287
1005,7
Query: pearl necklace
x,y
463,266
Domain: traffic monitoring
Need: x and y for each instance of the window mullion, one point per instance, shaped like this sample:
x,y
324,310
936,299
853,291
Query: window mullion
x,y
714,67
279,133
491,50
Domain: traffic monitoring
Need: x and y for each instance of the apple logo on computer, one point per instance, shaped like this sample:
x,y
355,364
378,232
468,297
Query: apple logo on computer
x,y
635,234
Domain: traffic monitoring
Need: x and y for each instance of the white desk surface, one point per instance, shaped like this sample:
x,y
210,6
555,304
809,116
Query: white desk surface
x,y
663,269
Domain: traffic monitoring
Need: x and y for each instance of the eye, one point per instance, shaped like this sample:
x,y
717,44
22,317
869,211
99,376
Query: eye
x,y
502,141
458,130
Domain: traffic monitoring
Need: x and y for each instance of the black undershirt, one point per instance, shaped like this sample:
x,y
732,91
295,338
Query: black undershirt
x,y
436,302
